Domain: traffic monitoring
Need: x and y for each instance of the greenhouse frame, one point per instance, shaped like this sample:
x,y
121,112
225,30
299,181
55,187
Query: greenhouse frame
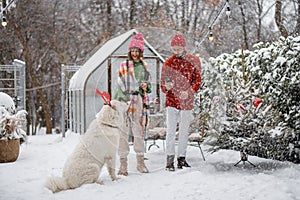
x,y
100,72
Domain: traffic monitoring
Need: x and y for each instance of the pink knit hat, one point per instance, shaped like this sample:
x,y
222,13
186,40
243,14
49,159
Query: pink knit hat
x,y
178,40
137,42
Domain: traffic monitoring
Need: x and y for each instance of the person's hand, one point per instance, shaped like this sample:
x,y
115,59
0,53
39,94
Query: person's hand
x,y
144,86
184,95
169,85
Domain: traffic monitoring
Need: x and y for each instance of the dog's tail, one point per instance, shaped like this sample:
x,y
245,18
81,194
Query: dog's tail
x,y
57,184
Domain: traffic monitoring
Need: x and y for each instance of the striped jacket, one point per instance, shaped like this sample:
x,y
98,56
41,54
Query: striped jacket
x,y
129,79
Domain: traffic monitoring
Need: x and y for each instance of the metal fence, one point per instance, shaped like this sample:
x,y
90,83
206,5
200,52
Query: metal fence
x,y
12,82
67,71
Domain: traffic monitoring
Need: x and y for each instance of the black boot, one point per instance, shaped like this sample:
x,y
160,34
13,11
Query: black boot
x,y
170,163
181,162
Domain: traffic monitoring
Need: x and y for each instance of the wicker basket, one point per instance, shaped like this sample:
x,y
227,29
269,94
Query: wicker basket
x,y
9,150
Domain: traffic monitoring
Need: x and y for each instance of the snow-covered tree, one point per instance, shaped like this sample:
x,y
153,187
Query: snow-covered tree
x,y
262,96
277,71
210,102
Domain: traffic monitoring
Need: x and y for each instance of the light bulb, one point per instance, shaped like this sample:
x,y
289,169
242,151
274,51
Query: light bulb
x,y
228,11
210,37
4,21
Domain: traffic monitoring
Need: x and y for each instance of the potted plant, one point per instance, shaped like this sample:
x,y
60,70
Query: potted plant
x,y
11,134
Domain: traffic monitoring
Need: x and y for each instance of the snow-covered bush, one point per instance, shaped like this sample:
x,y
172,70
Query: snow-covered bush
x,y
271,73
11,125
11,122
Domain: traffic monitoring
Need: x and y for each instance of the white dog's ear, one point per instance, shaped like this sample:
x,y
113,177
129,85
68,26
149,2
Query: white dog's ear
x,y
110,116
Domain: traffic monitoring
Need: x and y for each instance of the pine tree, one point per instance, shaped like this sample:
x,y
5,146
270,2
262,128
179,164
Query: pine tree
x,y
239,131
210,103
270,75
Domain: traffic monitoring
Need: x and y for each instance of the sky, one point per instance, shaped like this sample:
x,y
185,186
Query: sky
x,y
216,178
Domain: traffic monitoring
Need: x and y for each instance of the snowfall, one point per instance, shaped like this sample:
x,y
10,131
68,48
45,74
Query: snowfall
x,y
216,177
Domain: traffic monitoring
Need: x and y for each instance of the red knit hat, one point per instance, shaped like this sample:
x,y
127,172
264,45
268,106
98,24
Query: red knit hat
x,y
178,40
137,42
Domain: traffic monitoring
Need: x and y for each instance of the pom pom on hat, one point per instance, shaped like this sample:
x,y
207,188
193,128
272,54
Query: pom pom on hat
x,y
137,42
178,40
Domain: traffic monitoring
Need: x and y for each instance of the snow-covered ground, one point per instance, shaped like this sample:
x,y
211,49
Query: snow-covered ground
x,y
213,179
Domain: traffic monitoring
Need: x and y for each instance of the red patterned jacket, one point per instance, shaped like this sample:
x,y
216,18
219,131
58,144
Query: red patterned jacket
x,y
185,73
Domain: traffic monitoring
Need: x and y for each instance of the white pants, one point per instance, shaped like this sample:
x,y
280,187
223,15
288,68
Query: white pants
x,y
184,119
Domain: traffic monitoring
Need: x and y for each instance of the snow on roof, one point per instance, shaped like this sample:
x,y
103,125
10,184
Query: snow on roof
x,y
80,78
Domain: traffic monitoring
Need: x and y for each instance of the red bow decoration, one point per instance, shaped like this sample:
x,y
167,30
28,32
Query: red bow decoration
x,y
105,96
256,102
239,107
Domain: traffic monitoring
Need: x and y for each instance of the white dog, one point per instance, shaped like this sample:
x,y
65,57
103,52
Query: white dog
x,y
98,146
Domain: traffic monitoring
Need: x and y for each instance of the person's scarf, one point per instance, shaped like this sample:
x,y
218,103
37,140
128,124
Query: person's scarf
x,y
129,85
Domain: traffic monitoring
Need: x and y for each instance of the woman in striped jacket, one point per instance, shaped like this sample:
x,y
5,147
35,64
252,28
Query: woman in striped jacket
x,y
134,87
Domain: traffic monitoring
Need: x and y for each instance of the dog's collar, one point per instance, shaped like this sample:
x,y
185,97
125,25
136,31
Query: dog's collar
x,y
108,124
112,126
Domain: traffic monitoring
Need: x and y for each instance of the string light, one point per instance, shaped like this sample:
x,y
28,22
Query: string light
x,y
5,7
209,31
228,11
210,35
4,20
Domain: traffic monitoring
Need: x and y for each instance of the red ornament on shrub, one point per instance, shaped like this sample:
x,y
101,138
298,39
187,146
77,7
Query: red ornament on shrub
x,y
256,102
239,106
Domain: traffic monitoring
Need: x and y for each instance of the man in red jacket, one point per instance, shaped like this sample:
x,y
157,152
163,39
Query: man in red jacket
x,y
180,80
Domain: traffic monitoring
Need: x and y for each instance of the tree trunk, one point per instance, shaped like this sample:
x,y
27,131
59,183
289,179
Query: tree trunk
x,y
196,16
244,26
35,83
109,19
278,19
183,21
297,29
259,6
132,14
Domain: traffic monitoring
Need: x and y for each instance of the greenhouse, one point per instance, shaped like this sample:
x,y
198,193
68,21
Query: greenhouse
x,y
100,72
